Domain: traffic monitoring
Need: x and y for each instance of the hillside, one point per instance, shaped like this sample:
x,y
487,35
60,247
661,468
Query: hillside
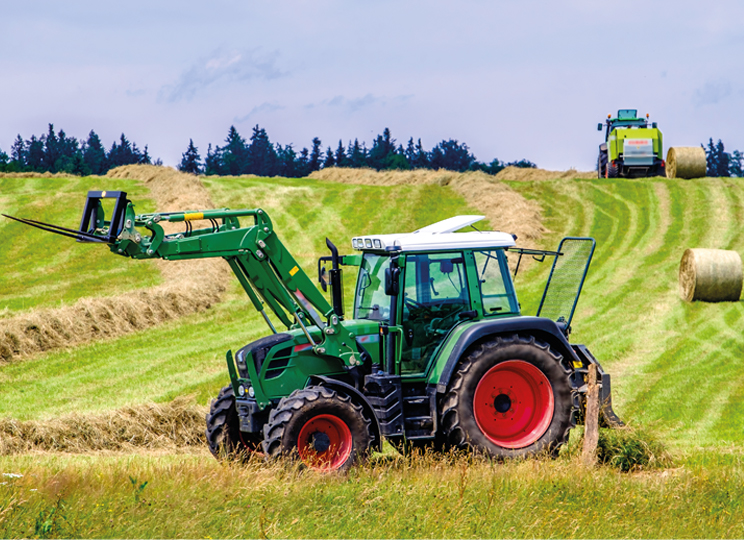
x,y
103,437
674,365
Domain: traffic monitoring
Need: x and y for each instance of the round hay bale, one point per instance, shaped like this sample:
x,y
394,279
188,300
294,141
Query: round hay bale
x,y
710,275
686,162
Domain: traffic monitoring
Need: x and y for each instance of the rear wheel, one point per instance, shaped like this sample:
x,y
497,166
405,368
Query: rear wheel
x,y
612,171
323,429
223,429
510,398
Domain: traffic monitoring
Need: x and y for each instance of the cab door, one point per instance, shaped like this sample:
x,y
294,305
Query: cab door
x,y
434,294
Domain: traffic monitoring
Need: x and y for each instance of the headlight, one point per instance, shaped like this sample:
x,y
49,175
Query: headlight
x,y
251,393
368,242
241,390
378,244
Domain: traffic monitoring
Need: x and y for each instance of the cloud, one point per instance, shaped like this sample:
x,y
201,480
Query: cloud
x,y
225,67
359,104
711,93
263,108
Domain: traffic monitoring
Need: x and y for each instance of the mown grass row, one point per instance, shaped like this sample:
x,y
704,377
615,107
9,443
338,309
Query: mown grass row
x,y
676,366
40,269
183,496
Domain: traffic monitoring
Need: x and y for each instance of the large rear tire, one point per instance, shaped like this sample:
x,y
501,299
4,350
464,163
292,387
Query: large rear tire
x,y
224,437
510,398
323,429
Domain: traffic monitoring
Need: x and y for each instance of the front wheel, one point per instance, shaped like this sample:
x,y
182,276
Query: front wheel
x,y
510,398
223,429
323,429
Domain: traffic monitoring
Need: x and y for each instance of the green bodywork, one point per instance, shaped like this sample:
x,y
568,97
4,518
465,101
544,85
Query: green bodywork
x,y
441,291
627,125
617,137
407,327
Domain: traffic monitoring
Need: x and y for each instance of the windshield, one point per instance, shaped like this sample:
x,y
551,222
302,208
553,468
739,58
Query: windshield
x,y
370,301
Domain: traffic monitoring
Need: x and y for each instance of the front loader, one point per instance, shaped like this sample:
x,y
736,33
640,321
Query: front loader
x,y
436,351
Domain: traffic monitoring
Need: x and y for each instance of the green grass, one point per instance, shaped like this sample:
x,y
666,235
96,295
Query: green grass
x,y
186,496
40,269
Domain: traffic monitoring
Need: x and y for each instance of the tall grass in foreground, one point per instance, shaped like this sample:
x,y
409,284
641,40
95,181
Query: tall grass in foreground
x,y
393,497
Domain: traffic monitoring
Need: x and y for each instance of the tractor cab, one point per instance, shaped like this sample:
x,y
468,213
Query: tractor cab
x,y
427,282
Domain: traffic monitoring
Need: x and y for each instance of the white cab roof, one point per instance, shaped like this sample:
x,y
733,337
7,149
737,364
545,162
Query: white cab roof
x,y
437,236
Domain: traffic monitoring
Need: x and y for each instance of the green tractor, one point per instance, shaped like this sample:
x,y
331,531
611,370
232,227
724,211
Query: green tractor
x,y
631,149
436,352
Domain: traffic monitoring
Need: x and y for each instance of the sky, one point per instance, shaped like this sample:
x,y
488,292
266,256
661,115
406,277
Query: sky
x,y
512,79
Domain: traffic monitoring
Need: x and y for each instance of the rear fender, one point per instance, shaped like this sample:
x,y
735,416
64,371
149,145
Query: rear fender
x,y
356,396
539,327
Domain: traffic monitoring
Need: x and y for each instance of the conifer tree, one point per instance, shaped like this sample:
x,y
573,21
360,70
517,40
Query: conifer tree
x,y
330,160
316,156
94,155
190,160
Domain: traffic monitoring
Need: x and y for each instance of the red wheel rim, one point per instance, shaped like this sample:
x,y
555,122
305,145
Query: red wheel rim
x,y
324,443
513,404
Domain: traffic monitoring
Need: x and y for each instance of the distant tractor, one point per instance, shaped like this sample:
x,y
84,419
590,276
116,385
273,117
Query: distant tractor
x,y
436,351
631,148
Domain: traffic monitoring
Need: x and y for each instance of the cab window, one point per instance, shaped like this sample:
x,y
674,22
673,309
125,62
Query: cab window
x,y
435,292
496,290
371,302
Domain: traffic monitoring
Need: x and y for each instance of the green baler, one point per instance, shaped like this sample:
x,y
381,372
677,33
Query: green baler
x,y
631,149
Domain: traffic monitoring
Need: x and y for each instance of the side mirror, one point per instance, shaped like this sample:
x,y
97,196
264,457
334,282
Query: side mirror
x,y
391,281
599,127
323,279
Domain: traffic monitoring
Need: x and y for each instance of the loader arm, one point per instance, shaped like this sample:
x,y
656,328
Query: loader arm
x,y
265,268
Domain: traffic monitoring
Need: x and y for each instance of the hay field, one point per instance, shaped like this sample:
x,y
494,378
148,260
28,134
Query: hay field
x,y
676,371
673,364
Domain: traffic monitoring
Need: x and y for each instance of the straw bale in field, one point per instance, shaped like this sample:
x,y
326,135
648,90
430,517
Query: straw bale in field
x,y
173,425
686,162
710,275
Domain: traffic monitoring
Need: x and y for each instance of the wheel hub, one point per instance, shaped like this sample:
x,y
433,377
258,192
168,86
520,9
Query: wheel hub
x,y
320,441
324,442
502,403
513,404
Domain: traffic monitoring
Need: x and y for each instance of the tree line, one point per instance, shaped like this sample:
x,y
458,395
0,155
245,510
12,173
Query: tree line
x,y
722,163
59,153
259,156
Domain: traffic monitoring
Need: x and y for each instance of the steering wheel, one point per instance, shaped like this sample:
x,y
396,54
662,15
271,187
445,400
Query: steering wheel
x,y
412,303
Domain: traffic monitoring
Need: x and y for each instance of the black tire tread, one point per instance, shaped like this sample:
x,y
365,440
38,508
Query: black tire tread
x,y
456,436
223,428
288,407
